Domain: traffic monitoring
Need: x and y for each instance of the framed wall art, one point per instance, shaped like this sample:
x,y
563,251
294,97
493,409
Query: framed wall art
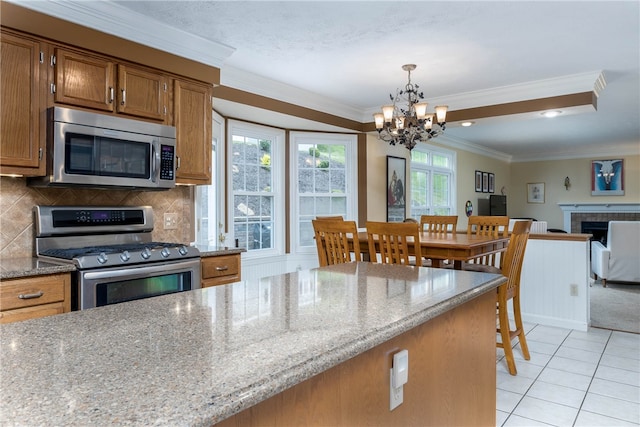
x,y
492,183
535,192
478,181
396,179
485,182
607,177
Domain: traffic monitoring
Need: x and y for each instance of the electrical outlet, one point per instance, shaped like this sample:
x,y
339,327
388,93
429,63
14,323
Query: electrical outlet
x,y
396,395
170,221
573,290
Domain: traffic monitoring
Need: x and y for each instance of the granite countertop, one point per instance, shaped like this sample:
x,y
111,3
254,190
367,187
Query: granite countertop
x,y
208,251
195,358
13,268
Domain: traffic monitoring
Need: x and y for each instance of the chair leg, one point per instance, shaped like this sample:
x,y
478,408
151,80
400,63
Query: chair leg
x,y
517,314
505,336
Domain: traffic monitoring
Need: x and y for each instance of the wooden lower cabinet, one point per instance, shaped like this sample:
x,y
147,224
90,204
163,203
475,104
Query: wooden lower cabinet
x,y
220,270
33,297
452,380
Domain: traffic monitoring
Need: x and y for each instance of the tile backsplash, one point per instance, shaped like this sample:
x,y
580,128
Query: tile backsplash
x,y
17,202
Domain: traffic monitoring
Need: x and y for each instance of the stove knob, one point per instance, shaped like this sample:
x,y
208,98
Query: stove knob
x,y
183,250
146,253
102,258
124,256
165,252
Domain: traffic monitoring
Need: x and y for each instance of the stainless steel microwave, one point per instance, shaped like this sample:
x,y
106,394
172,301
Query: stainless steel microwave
x,y
102,151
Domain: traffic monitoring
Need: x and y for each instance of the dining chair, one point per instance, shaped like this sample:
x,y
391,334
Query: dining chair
x,y
494,226
332,240
389,242
510,291
439,223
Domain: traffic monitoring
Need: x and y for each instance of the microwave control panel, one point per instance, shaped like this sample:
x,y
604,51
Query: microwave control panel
x,y
167,158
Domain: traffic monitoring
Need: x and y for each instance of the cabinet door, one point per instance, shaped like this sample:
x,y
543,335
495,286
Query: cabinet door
x,y
84,80
21,113
192,118
141,93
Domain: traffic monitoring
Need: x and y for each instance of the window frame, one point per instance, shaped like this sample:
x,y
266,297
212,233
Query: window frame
x,y
430,150
277,136
296,138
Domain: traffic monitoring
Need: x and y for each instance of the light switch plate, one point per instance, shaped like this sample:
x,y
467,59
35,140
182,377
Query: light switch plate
x,y
170,221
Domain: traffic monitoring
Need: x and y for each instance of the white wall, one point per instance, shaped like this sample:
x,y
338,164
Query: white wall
x,y
553,174
512,176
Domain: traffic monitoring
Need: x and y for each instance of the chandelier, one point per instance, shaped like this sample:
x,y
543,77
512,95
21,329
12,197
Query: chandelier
x,y
411,124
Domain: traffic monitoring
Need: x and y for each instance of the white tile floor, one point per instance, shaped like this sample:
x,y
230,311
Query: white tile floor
x,y
573,379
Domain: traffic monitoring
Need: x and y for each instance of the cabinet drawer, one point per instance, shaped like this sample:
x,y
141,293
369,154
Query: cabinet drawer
x,y
34,312
33,291
220,270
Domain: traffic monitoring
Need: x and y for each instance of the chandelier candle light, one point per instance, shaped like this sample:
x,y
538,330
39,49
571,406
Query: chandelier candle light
x,y
409,126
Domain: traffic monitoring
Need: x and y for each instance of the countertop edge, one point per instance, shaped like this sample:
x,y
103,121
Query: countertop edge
x,y
277,383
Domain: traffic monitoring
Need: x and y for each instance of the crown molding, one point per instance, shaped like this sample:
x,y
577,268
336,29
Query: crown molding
x,y
252,83
593,81
460,144
113,19
606,151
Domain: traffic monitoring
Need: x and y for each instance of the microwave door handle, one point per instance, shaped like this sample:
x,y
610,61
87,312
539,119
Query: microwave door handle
x,y
155,161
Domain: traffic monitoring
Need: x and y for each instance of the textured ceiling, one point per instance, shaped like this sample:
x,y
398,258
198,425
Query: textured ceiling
x,y
352,52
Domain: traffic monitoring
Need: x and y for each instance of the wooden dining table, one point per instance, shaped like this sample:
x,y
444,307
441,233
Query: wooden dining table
x,y
458,247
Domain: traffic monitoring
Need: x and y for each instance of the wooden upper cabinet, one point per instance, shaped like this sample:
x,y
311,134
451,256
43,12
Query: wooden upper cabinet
x,y
89,81
22,93
193,119
141,93
84,80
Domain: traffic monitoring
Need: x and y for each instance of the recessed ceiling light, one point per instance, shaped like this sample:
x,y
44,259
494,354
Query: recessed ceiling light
x,y
550,114
466,124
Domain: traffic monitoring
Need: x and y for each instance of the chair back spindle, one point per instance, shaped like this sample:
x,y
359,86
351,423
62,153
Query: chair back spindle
x,y
332,240
391,242
439,223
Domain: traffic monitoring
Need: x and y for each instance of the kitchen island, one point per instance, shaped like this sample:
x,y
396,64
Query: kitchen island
x,y
266,351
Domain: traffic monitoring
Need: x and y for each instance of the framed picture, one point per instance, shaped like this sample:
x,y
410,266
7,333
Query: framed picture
x,y
396,179
492,183
607,177
535,192
478,182
485,182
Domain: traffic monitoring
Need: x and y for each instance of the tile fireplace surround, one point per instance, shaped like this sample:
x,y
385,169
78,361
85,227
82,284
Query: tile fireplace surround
x,y
575,213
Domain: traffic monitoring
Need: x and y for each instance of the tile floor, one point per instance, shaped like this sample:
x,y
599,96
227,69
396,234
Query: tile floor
x,y
574,378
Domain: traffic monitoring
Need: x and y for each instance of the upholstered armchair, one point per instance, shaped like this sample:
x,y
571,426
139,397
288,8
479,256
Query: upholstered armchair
x,y
620,259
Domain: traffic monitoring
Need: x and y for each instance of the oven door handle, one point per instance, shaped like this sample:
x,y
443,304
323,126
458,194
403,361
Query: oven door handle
x,y
137,271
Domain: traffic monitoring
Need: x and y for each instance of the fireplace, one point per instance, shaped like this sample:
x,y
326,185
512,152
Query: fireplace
x,y
597,229
574,214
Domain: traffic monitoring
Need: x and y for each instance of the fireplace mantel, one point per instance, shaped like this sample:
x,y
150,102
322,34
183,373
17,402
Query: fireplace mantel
x,y
597,208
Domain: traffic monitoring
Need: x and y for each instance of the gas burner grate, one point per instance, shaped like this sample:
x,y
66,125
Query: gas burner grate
x,y
71,253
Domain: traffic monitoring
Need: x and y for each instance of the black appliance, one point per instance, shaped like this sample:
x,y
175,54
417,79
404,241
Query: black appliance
x,y
495,205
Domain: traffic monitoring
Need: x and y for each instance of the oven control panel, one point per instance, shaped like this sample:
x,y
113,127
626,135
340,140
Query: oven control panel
x,y
93,217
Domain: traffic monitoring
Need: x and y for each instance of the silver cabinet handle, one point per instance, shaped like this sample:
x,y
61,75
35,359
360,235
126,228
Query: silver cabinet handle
x,y
31,296
110,95
225,268
124,97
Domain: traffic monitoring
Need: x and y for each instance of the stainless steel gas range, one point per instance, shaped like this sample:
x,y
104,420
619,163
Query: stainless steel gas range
x,y
113,251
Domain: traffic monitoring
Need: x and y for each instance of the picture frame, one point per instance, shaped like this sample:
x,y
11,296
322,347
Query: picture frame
x,y
607,177
478,181
492,183
396,179
535,192
485,182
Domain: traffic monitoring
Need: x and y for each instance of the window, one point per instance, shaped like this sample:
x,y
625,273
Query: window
x,y
432,181
256,160
323,182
